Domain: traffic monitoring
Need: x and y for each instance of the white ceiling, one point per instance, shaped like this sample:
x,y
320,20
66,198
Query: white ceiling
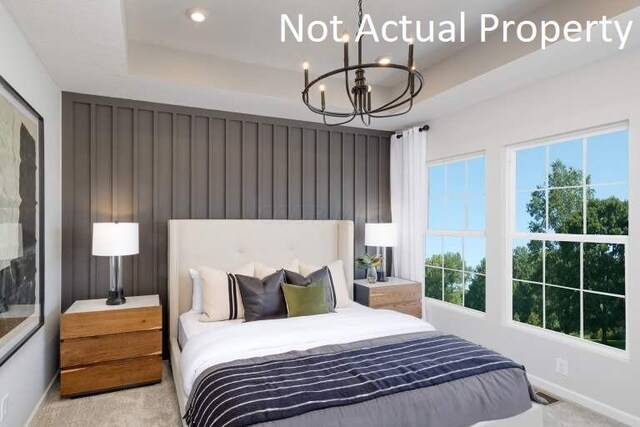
x,y
249,31
149,50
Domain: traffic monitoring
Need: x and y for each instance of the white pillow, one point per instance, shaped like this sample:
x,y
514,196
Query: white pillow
x,y
221,298
263,270
196,292
340,286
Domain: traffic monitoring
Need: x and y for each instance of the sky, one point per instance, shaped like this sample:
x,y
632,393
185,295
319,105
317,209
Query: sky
x,y
457,202
603,158
457,190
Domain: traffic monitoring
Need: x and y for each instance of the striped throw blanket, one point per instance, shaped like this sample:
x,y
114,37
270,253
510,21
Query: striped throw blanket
x,y
266,389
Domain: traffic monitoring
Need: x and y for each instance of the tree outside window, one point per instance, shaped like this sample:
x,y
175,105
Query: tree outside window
x,y
571,227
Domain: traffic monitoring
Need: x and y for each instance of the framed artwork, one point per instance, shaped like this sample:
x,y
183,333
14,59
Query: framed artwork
x,y
21,221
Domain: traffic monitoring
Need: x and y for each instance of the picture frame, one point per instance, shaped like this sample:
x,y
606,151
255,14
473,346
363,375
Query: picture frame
x,y
22,264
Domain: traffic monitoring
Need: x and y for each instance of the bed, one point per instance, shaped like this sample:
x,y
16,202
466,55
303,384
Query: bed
x,y
200,351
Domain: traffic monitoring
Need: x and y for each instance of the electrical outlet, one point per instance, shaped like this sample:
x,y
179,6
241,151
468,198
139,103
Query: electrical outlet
x,y
4,404
562,367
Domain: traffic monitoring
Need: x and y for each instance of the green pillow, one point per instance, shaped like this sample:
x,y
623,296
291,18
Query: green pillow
x,y
305,300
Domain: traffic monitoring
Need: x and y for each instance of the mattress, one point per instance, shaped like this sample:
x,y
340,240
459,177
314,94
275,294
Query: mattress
x,y
190,325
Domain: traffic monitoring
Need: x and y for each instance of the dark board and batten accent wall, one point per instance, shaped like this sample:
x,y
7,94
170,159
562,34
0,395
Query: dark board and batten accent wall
x,y
137,161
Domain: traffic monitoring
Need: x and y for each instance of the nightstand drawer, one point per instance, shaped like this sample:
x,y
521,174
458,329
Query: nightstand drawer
x,y
77,325
403,296
410,308
104,348
111,375
394,294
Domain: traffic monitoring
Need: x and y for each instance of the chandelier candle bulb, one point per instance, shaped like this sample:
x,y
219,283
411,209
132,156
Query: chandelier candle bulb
x,y
345,41
412,82
410,65
305,67
322,101
410,53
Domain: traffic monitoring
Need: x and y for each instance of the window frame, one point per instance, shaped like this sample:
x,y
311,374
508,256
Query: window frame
x,y
512,234
443,233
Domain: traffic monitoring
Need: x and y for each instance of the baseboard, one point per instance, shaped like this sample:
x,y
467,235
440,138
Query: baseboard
x,y
35,411
585,401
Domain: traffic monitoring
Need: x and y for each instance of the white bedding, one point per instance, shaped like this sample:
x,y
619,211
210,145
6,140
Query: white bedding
x,y
190,325
220,342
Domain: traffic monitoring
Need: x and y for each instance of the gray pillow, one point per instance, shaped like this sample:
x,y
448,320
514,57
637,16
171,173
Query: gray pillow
x,y
323,275
262,299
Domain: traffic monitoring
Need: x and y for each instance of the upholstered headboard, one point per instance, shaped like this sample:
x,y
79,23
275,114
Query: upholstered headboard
x,y
227,244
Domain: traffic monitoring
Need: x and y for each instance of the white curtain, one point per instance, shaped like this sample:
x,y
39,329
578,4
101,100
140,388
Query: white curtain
x,y
409,202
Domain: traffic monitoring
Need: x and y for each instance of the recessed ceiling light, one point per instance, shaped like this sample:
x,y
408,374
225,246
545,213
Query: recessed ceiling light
x,y
197,14
383,60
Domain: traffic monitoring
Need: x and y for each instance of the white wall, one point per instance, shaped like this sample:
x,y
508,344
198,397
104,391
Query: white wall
x,y
601,93
26,375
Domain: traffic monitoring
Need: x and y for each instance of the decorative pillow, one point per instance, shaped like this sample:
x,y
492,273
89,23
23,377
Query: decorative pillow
x,y
196,291
263,299
263,270
305,300
340,288
323,276
220,295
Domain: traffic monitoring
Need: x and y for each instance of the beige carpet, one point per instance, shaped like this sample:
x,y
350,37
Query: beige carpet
x,y
565,414
156,406
151,406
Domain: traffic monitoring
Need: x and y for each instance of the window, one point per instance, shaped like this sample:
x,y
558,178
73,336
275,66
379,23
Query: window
x,y
569,234
455,265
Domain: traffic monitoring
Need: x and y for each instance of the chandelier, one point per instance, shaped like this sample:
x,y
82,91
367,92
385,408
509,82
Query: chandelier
x,y
358,91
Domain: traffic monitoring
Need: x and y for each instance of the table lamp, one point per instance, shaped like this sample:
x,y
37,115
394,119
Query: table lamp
x,y
115,240
381,236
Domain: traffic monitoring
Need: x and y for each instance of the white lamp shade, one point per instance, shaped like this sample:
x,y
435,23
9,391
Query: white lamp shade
x,y
384,235
10,241
115,238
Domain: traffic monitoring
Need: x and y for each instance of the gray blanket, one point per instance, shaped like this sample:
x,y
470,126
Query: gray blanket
x,y
423,379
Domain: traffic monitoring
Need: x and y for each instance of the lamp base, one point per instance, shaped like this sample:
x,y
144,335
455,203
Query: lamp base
x,y
116,298
382,271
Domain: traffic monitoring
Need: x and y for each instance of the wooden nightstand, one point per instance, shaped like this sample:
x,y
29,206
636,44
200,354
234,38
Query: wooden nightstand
x,y
396,294
106,347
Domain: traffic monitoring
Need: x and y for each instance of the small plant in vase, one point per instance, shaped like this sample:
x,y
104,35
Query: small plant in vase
x,y
370,263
